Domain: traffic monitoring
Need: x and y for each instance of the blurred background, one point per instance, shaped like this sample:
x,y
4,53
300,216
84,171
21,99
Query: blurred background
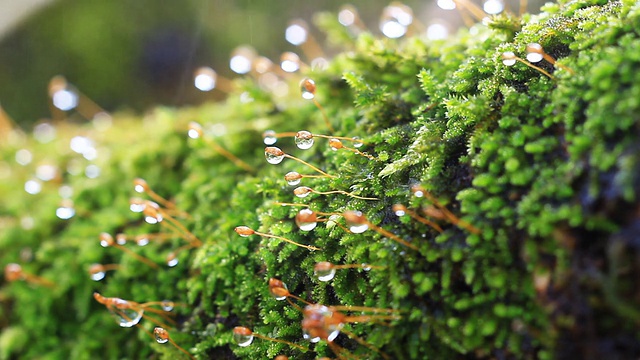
x,y
132,54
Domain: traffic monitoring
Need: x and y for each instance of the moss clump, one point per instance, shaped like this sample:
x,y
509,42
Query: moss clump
x,y
545,169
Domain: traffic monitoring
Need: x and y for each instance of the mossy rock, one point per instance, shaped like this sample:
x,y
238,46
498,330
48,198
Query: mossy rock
x,y
535,250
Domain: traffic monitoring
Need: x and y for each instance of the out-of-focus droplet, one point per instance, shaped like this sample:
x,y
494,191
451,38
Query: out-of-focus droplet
x,y
33,186
508,59
290,62
161,335
446,4
92,171
167,305
65,191
493,7
46,172
534,52
23,157
66,210
241,60
395,20
296,33
347,16
102,121
269,137
437,31
204,78
44,133
27,222
65,99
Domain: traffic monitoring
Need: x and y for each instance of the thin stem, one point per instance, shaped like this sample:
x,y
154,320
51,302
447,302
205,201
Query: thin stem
x,y
358,266
339,138
287,240
309,165
181,349
365,344
523,7
302,348
450,216
224,152
294,304
363,308
137,256
356,151
536,68
344,193
474,9
300,299
324,115
423,220
38,280
392,236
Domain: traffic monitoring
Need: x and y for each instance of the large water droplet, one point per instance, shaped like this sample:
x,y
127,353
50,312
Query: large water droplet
x,y
308,88
161,335
325,274
171,262
357,143
242,339
306,220
127,317
274,157
358,228
304,140
508,59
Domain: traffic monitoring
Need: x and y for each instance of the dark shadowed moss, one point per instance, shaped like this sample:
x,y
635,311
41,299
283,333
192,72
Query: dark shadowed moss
x,y
547,170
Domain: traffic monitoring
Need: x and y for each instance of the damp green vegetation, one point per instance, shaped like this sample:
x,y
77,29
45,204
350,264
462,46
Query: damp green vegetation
x,y
546,169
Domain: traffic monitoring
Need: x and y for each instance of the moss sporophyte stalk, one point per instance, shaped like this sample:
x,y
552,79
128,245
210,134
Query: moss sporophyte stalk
x,y
471,198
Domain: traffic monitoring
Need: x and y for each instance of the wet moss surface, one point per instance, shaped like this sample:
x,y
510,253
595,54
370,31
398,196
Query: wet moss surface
x,y
538,259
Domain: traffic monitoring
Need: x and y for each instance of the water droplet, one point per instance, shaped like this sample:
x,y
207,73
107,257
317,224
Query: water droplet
x,y
357,142
296,33
242,59
161,335
534,52
142,240
306,220
65,99
358,228
273,155
92,171
366,267
126,316
308,88
493,7
121,239
97,276
346,16
508,59
65,212
46,172
437,31
293,178
302,191
65,191
167,305
204,79
269,137
44,133
151,220
325,274
446,4
304,140
243,339
23,157
279,293
33,186
172,261
335,144
290,62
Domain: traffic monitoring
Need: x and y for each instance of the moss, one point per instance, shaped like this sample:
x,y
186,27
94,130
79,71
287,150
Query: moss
x,y
545,169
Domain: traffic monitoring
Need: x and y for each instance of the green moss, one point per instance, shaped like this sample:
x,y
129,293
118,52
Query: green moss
x,y
545,169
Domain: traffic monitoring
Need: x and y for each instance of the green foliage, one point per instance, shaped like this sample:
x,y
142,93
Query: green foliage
x,y
545,169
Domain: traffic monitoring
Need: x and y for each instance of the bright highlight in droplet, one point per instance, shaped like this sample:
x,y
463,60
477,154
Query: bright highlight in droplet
x,y
393,29
33,187
23,157
290,62
65,100
240,64
446,4
346,17
205,78
296,34
437,31
493,7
